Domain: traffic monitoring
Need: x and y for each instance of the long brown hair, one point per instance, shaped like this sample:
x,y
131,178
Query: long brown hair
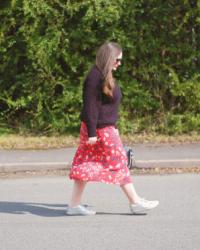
x,y
105,59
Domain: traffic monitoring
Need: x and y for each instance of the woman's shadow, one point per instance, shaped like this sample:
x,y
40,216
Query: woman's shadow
x,y
40,209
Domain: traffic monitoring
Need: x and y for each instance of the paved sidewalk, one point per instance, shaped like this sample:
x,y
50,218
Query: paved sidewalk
x,y
146,156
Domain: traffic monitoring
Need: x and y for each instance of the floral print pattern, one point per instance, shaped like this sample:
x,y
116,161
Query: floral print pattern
x,y
105,161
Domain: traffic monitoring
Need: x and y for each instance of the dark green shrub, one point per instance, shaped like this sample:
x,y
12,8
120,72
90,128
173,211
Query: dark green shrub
x,y
47,47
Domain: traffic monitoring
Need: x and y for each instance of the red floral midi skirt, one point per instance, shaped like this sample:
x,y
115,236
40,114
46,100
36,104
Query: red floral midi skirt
x,y
105,161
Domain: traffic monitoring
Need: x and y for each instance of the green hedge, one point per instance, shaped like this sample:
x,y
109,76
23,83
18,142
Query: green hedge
x,y
47,47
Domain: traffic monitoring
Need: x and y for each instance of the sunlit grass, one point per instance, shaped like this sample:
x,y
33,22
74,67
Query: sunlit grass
x,y
36,142
44,142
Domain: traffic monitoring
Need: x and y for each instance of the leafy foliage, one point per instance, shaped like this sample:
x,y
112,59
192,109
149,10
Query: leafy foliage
x,y
47,47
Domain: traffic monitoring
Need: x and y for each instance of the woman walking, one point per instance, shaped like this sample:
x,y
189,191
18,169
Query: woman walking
x,y
100,156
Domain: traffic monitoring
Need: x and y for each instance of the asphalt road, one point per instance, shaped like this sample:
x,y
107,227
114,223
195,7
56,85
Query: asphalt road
x,y
32,215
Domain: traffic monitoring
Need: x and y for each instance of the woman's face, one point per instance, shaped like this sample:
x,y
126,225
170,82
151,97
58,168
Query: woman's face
x,y
117,62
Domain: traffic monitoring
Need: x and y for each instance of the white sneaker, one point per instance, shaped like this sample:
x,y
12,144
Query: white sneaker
x,y
80,210
143,206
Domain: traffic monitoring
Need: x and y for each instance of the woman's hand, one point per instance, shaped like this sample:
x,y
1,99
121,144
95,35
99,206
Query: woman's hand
x,y
92,140
117,131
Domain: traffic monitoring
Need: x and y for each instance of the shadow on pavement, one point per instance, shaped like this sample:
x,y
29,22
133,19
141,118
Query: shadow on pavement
x,y
128,214
43,209
40,209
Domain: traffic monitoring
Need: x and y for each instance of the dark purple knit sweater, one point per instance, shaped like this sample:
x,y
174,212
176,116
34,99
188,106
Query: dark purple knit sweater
x,y
98,110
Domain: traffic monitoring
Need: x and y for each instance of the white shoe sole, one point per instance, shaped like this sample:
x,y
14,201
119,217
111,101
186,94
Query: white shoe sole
x,y
142,210
80,214
80,210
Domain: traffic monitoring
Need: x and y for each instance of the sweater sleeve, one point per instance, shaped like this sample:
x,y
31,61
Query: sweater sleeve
x,y
92,102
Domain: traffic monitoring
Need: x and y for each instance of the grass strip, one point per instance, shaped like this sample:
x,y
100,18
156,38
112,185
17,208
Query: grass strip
x,y
45,142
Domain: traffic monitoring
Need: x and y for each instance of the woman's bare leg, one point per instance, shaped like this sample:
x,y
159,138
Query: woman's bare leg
x,y
131,193
77,192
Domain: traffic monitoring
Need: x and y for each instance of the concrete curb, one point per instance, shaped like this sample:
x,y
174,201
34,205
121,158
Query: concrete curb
x,y
33,166
139,165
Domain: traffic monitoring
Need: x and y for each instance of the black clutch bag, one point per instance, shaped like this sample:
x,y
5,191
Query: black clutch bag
x,y
130,157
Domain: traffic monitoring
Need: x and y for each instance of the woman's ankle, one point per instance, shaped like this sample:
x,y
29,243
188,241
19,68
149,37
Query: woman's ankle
x,y
135,200
74,204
